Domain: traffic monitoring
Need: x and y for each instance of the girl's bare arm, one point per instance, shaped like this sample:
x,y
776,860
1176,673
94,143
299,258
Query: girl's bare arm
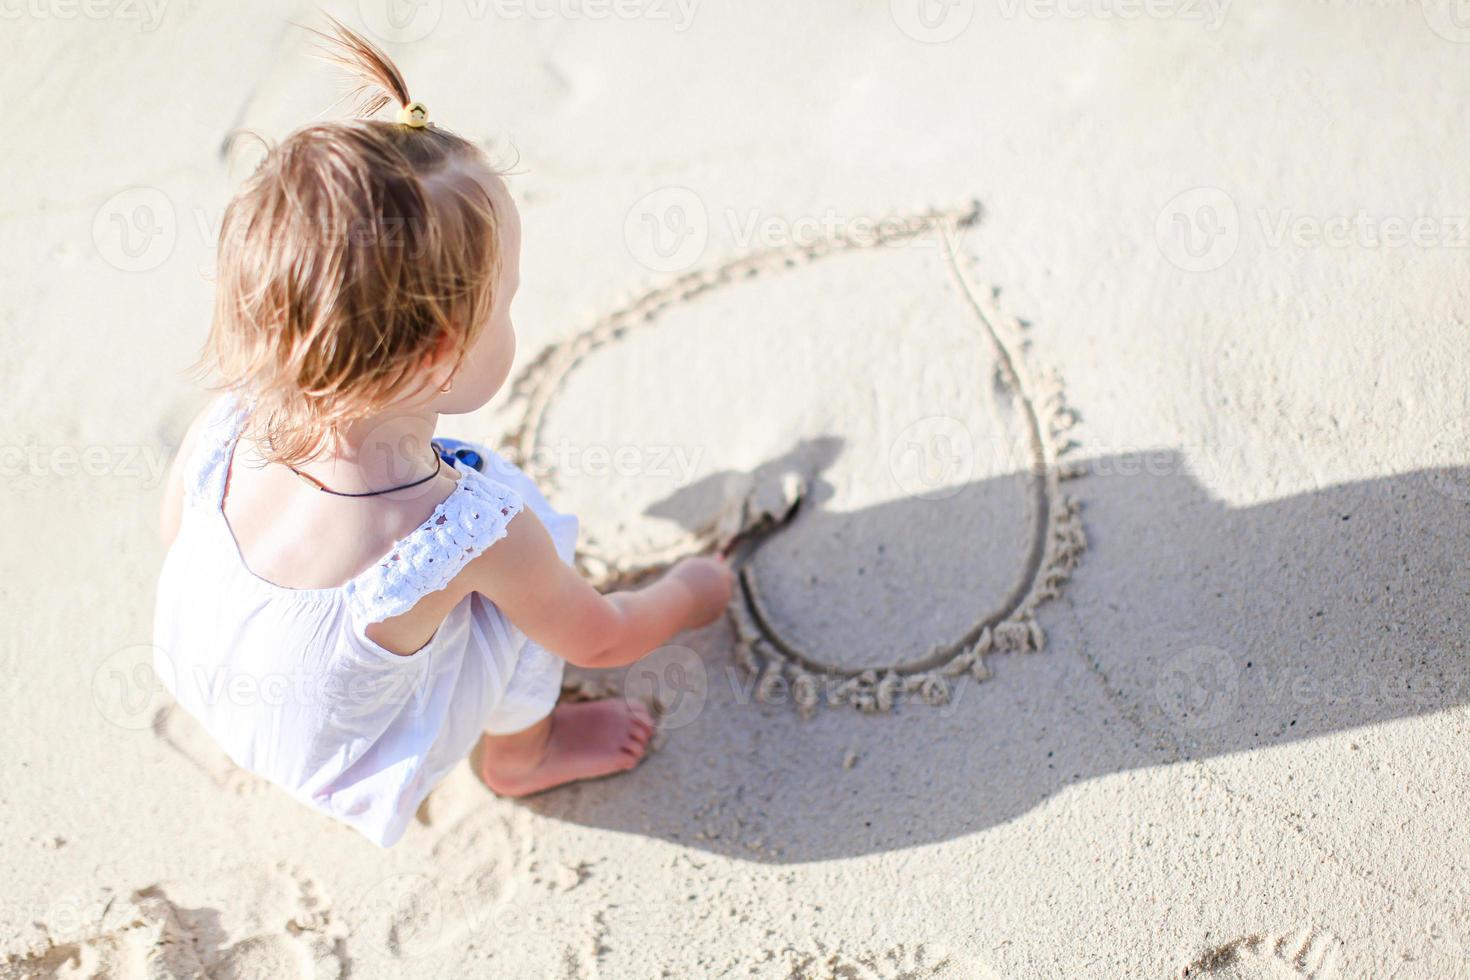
x,y
548,601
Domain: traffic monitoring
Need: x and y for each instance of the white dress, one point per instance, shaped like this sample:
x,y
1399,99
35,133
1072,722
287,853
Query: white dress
x,y
291,687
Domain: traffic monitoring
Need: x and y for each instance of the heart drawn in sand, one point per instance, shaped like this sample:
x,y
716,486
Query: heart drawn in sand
x,y
927,473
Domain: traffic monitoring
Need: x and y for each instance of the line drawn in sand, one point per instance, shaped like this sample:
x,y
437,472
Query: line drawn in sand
x,y
782,666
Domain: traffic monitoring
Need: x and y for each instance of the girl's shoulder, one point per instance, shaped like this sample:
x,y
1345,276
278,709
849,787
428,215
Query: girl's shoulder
x,y
475,515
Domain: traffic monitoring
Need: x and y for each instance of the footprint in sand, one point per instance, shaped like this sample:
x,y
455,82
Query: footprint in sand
x,y
889,426
1305,952
242,922
460,888
914,961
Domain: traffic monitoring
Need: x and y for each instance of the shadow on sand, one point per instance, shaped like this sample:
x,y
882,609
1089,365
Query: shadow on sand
x,y
1192,630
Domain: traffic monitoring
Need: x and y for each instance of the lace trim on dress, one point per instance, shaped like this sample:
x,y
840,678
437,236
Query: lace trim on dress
x,y
474,516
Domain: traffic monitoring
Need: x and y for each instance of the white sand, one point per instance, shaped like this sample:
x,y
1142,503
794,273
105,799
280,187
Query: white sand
x,y
1242,752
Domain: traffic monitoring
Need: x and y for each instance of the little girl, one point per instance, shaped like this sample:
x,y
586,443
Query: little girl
x,y
348,605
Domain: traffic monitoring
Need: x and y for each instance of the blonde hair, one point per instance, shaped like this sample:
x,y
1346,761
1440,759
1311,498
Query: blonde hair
x,y
354,256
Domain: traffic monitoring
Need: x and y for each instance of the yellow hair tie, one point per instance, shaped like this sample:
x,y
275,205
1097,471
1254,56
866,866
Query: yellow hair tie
x,y
415,114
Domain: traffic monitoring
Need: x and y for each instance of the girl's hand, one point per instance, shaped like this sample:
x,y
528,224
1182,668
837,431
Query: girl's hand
x,y
710,582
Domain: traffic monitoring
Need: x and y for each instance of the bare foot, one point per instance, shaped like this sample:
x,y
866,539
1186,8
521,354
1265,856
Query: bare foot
x,y
578,740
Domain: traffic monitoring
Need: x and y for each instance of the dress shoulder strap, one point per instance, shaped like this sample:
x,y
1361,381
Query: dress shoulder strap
x,y
473,517
209,466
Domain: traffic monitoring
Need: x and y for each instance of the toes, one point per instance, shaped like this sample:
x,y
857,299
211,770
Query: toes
x,y
641,725
639,713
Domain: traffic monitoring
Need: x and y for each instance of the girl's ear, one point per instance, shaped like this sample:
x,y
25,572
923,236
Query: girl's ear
x,y
443,348
441,361
441,354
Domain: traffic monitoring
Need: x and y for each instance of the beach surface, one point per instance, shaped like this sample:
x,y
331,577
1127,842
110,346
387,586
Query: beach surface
x,y
1111,356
